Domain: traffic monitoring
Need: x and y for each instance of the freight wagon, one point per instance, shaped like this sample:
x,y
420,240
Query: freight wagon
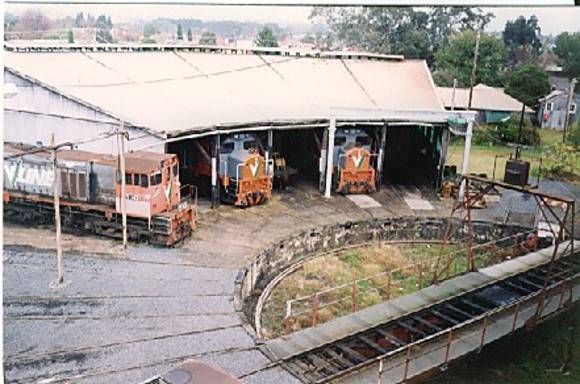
x,y
159,209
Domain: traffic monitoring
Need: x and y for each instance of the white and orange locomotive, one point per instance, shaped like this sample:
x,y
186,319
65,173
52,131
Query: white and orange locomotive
x,y
89,185
354,171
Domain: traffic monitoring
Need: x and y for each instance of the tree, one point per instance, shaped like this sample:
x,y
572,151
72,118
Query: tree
x,y
527,84
33,20
104,26
404,30
568,50
266,38
179,32
80,20
70,37
149,30
457,59
208,38
522,40
189,35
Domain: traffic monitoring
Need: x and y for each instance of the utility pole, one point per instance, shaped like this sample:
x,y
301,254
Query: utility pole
x,y
473,69
453,94
121,151
568,105
60,265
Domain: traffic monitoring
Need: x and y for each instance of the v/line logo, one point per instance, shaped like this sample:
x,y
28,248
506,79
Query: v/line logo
x,y
358,159
255,167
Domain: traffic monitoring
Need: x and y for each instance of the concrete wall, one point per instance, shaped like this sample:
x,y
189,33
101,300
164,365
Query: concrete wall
x,y
35,113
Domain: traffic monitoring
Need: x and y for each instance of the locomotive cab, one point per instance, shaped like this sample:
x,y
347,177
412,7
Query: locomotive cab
x,y
353,160
151,186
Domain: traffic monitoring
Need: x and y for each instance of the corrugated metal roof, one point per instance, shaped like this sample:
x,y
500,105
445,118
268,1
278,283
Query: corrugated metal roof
x,y
484,98
181,91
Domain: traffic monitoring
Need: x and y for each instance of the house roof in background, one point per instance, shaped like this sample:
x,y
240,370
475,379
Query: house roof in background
x,y
180,91
485,98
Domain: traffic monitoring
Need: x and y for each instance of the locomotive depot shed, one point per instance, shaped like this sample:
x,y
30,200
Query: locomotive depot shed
x,y
169,97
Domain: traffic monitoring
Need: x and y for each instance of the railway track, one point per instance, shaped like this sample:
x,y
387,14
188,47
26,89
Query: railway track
x,y
352,353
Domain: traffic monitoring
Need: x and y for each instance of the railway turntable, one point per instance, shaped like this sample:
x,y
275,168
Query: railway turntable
x,y
412,335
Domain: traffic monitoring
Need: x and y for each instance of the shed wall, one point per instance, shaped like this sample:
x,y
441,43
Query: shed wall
x,y
35,113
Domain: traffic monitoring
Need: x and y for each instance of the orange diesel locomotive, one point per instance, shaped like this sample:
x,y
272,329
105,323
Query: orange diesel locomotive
x,y
243,173
90,189
354,172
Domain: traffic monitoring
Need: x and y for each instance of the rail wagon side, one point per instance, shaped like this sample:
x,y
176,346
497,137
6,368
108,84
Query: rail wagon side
x,y
354,162
159,209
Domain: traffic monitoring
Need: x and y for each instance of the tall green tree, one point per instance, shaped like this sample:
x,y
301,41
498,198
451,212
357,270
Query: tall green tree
x,y
208,38
70,37
456,60
179,32
149,30
522,40
527,84
189,35
103,24
568,50
266,38
80,20
414,33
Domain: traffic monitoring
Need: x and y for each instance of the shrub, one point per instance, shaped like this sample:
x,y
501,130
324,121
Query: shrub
x,y
505,133
486,135
573,135
561,162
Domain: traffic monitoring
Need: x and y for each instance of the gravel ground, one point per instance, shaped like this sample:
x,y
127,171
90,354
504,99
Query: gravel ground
x,y
124,317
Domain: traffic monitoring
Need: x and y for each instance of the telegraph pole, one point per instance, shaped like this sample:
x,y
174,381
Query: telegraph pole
x,y
473,69
60,264
121,151
568,105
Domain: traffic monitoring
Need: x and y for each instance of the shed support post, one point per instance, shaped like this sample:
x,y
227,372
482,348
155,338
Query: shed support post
x,y
122,201
381,157
329,157
445,136
322,161
268,154
466,151
215,193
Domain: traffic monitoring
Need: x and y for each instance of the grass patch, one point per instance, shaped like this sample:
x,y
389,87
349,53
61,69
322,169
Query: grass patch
x,y
344,268
482,157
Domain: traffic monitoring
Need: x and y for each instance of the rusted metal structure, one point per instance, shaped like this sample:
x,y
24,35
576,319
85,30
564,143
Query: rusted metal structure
x,y
160,209
415,334
413,339
559,225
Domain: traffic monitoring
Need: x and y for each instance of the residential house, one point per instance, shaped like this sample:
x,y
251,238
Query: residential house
x,y
492,104
552,110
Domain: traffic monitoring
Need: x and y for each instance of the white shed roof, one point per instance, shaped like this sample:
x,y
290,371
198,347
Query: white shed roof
x,y
181,91
484,98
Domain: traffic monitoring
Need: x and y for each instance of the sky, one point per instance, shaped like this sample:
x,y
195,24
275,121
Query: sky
x,y
553,20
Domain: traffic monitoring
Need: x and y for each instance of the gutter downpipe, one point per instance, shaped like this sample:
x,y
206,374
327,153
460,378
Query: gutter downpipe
x,y
329,156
